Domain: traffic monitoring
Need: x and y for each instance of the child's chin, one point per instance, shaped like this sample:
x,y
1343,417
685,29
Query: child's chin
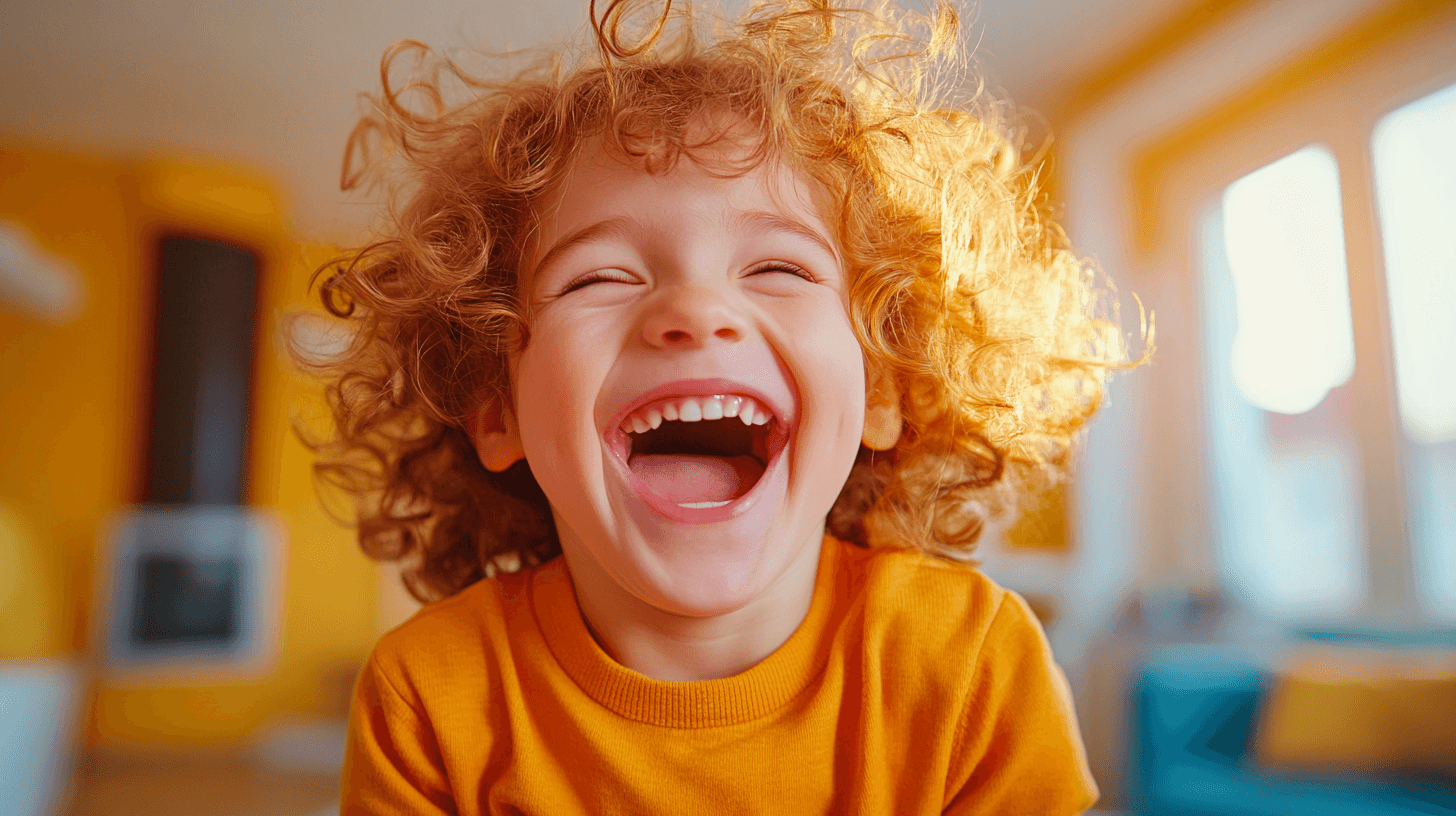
x,y
702,582
704,596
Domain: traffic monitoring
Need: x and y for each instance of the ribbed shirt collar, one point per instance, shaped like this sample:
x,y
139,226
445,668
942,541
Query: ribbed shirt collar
x,y
761,690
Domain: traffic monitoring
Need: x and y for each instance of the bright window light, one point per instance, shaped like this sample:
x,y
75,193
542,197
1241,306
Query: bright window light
x,y
1415,188
1415,170
1287,489
1286,253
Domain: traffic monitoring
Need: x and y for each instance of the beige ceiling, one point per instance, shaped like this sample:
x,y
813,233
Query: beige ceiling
x,y
273,84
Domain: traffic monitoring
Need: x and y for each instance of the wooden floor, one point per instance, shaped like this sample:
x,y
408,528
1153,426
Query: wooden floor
x,y
216,784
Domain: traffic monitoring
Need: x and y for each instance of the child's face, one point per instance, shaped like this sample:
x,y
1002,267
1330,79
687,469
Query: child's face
x,y
653,296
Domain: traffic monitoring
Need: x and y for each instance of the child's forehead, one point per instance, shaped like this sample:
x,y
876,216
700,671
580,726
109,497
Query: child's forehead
x,y
732,170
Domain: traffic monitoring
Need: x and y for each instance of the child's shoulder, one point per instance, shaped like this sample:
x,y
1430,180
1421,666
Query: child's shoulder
x,y
943,636
455,634
913,580
937,603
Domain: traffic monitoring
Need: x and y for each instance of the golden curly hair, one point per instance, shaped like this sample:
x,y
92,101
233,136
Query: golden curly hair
x,y
995,339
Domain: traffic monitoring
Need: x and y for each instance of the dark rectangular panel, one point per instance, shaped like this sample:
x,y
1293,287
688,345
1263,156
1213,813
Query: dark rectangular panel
x,y
206,313
183,600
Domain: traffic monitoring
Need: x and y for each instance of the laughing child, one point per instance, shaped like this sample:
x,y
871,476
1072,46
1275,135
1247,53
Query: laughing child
x,y
683,384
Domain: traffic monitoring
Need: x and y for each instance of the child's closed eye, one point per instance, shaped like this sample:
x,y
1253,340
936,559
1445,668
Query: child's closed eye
x,y
609,275
597,276
784,266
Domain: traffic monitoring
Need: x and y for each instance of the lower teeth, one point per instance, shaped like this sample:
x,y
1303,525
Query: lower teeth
x,y
703,505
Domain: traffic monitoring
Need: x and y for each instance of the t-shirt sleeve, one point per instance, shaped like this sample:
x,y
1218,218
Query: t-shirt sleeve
x,y
392,763
1017,747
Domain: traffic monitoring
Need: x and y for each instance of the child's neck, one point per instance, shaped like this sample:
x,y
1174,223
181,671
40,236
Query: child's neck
x,y
667,646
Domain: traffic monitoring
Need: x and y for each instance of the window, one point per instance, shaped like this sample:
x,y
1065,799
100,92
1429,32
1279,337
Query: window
x,y
1415,190
1280,351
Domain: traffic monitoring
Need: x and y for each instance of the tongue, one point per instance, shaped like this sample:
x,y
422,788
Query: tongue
x,y
685,479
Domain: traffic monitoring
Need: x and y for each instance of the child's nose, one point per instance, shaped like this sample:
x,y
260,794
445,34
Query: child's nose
x,y
690,316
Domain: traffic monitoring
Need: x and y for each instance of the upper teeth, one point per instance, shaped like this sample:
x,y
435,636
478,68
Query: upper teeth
x,y
695,409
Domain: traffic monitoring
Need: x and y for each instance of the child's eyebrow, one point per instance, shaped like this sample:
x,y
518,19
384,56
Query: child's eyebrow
x,y
763,221
610,228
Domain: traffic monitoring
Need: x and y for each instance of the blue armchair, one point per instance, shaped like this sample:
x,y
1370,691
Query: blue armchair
x,y
1194,711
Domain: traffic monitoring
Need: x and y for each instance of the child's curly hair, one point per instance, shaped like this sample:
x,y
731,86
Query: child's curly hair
x,y
994,338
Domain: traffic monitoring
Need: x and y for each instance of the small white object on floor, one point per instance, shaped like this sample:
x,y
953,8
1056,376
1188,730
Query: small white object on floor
x,y
39,708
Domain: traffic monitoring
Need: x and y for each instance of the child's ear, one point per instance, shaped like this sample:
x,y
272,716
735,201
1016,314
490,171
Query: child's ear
x,y
882,411
497,437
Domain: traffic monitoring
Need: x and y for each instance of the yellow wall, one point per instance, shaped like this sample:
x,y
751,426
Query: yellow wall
x,y
69,393
73,406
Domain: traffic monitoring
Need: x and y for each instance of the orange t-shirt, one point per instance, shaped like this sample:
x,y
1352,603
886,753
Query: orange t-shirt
x,y
913,686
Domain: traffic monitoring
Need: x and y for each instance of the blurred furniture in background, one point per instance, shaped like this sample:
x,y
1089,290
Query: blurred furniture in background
x,y
1364,701
1194,736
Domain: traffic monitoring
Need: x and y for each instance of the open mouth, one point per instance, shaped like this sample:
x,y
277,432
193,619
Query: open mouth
x,y
701,452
